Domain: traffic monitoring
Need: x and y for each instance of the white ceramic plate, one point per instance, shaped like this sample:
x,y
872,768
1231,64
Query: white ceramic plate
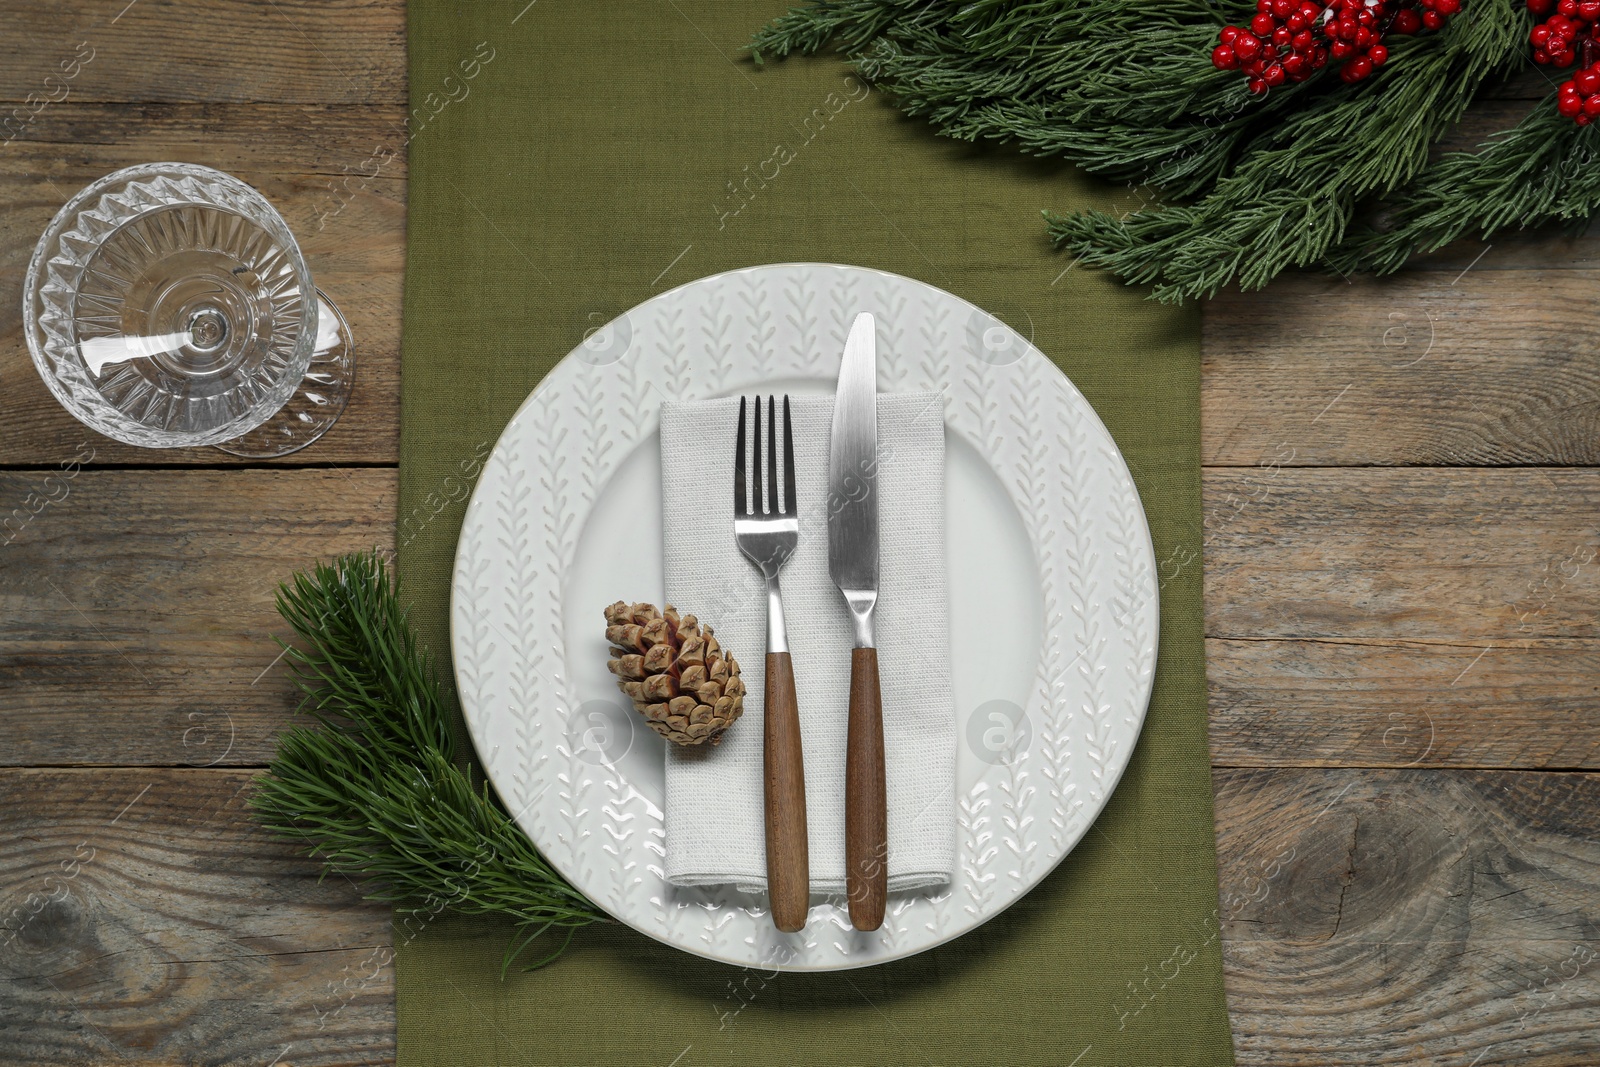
x,y
1053,598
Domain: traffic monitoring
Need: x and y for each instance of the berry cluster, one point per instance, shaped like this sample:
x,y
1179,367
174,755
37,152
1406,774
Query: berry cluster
x,y
1289,40
1573,27
1579,99
1280,44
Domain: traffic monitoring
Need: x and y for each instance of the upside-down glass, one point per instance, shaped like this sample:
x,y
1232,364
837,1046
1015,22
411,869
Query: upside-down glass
x,y
168,305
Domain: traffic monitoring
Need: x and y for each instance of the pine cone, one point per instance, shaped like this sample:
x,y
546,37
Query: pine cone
x,y
677,675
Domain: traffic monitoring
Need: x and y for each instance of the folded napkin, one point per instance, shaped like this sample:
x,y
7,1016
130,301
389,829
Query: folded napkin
x,y
714,812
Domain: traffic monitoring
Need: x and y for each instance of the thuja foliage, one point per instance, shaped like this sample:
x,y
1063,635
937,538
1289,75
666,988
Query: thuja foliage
x,y
1317,174
373,789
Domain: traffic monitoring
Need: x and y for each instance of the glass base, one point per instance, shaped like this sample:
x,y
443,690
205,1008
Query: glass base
x,y
318,401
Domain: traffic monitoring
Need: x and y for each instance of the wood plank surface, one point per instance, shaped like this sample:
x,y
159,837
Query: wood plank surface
x,y
1443,555
137,624
1403,616
1465,367
1375,702
336,174
145,917
235,51
1411,917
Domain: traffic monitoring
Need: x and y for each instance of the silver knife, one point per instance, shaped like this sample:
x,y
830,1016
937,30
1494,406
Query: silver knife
x,y
853,563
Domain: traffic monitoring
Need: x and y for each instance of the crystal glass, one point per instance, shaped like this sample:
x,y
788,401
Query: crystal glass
x,y
168,305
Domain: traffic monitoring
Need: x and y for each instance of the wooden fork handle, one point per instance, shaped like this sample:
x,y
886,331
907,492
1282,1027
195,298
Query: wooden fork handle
x,y
866,814
788,862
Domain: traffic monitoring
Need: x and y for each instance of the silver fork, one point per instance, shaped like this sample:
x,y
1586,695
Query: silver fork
x,y
766,527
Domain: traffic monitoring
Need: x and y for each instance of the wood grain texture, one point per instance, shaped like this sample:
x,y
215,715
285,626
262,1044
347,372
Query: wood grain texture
x,y
1365,702
788,847
1468,367
336,174
1469,557
1411,917
146,918
866,827
1403,617
282,51
137,623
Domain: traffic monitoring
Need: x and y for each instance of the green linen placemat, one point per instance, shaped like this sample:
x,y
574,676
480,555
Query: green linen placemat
x,y
570,160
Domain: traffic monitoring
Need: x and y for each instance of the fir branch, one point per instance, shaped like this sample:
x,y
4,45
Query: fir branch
x,y
374,791
1126,92
1250,186
807,30
1294,191
1544,170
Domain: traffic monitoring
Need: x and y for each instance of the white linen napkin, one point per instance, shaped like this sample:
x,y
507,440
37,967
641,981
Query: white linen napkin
x,y
715,829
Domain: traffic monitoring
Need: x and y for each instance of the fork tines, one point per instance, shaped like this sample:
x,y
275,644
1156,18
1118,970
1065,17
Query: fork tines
x,y
763,498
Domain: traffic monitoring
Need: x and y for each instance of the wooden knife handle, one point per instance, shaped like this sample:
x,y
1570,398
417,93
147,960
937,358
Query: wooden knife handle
x,y
788,861
866,814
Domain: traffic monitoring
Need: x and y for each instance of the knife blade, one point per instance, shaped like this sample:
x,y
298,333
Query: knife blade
x,y
853,564
853,477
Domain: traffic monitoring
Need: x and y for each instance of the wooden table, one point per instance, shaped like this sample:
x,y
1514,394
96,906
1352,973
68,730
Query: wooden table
x,y
1402,544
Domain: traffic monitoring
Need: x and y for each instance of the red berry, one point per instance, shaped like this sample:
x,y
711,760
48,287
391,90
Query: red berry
x,y
1583,120
1341,50
1569,105
1450,7
1222,58
1281,37
1562,58
1538,38
1230,32
1296,22
1274,76
1591,106
1357,69
1262,25
1587,82
1378,54
1256,85
1301,41
1432,20
1283,8
1540,7
1407,21
1246,46
1297,67
1568,8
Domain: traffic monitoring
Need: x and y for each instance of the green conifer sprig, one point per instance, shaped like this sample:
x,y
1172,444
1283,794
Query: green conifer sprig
x,y
374,790
1248,186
